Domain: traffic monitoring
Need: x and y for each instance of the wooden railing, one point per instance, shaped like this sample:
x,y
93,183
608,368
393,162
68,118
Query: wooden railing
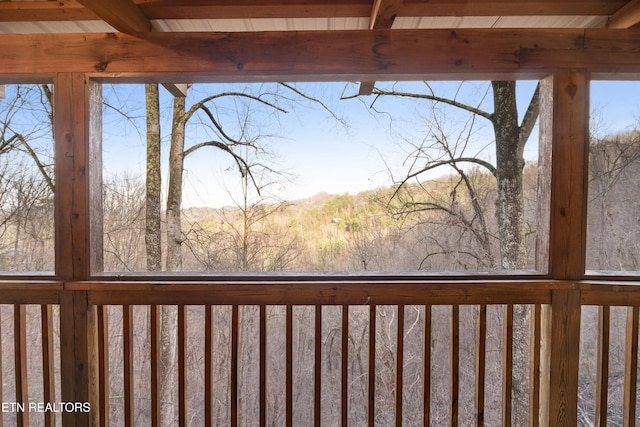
x,y
339,352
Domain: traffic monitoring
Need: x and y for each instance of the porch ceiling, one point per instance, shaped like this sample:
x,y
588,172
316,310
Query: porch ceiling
x,y
140,16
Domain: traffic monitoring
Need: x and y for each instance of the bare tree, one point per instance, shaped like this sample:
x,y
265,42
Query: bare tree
x,y
613,183
510,136
26,175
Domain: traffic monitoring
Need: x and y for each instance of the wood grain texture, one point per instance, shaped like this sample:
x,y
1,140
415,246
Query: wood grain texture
x,y
321,55
507,365
630,368
399,366
564,359
569,174
534,367
156,385
454,378
48,361
20,362
209,367
426,368
323,292
371,368
103,365
128,368
481,361
344,369
183,416
74,346
69,10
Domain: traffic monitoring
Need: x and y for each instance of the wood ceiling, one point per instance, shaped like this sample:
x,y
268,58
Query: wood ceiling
x,y
142,16
179,41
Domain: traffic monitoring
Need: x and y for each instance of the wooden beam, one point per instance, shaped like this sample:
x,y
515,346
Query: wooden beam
x,y
627,16
25,11
177,90
73,10
366,88
123,15
383,14
321,56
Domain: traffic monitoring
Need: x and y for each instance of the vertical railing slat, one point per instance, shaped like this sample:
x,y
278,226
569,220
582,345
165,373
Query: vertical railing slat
x,y
602,374
344,385
127,349
263,365
317,368
103,364
426,368
289,365
399,365
208,365
20,352
481,362
372,365
235,335
534,368
631,368
182,366
48,368
455,364
155,365
507,365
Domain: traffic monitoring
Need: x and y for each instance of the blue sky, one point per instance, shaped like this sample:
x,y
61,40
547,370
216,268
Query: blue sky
x,y
322,154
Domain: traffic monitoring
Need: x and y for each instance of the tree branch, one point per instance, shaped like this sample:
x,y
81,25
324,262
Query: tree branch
x,y
312,99
243,166
38,163
530,117
217,125
454,103
195,107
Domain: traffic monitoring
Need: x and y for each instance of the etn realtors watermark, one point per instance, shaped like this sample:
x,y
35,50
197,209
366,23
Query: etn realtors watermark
x,y
56,407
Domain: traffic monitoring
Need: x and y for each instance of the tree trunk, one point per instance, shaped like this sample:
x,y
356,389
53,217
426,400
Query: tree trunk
x,y
174,190
509,167
510,216
173,260
152,234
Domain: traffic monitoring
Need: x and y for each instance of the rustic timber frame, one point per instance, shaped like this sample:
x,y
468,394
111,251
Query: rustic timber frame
x,y
76,64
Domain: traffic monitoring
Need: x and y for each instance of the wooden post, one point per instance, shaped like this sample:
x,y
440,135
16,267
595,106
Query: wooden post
x,y
560,329
561,385
570,151
78,192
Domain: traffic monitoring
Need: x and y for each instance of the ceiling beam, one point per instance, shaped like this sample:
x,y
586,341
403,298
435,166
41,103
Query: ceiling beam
x,y
322,55
123,15
74,10
24,11
177,90
383,14
627,17
179,9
